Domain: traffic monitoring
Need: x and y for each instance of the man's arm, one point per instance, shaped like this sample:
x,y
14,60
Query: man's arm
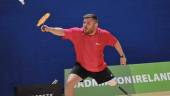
x,y
54,30
121,53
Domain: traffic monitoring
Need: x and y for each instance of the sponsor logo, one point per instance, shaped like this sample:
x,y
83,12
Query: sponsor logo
x,y
98,44
133,79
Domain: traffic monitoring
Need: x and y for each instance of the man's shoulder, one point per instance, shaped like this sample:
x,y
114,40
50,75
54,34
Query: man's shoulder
x,y
76,29
103,31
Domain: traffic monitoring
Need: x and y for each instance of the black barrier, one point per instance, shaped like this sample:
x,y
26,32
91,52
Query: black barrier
x,y
39,90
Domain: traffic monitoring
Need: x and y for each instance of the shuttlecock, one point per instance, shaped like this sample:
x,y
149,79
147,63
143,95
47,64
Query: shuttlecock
x,y
22,2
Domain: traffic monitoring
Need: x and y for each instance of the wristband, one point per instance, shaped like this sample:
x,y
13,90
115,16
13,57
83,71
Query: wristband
x,y
122,56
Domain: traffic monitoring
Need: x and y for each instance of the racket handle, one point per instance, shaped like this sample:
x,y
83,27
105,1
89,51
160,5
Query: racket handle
x,y
43,28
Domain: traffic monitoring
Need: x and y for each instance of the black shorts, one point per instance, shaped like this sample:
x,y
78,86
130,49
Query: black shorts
x,y
100,77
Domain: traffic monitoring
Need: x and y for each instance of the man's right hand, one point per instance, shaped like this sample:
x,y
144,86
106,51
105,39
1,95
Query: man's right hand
x,y
54,30
44,28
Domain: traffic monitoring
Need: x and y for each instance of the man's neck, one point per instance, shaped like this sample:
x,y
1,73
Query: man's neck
x,y
94,32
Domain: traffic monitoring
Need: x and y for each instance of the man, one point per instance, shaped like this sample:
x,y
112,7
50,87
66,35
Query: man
x,y
89,42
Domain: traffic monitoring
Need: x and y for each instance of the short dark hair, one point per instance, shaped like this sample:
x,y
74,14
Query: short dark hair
x,y
93,16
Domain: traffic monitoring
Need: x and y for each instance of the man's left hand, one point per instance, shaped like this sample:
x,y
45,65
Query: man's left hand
x,y
123,60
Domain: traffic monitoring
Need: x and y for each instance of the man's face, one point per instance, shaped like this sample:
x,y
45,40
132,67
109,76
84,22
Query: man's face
x,y
89,25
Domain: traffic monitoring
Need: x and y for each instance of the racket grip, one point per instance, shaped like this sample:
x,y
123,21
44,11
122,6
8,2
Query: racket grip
x,y
43,28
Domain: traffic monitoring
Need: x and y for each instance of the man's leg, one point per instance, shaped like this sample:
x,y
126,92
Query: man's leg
x,y
72,80
114,83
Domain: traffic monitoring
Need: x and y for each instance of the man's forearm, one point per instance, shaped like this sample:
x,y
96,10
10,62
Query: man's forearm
x,y
54,30
119,49
121,53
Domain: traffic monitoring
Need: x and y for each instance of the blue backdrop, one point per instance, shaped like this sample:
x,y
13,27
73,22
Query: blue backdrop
x,y
28,56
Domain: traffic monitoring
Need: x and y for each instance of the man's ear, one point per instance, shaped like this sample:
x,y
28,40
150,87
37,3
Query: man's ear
x,y
96,24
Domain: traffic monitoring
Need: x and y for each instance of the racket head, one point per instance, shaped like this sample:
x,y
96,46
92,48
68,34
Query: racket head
x,y
42,20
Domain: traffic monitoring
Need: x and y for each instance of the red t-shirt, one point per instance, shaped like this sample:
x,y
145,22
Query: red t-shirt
x,y
89,49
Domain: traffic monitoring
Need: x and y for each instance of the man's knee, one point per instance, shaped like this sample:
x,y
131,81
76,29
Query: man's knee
x,y
72,80
112,82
